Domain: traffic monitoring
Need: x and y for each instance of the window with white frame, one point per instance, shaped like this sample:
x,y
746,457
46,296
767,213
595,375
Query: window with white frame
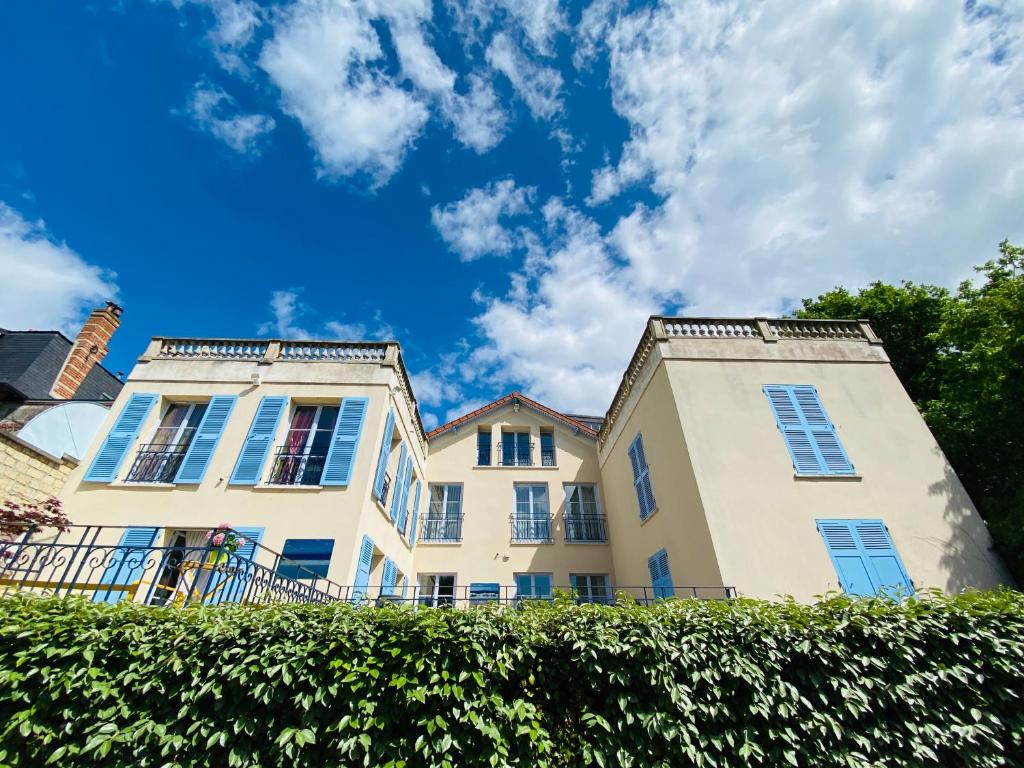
x,y
533,586
531,519
300,460
158,461
443,521
436,589
583,518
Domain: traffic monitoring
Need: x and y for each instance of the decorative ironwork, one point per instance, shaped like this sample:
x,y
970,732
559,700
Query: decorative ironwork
x,y
518,455
531,528
156,464
547,455
384,490
441,530
585,527
297,468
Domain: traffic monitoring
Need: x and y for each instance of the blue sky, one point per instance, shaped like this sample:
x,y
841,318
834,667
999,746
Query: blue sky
x,y
507,187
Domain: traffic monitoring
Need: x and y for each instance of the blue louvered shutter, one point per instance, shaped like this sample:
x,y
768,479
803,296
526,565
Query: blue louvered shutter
x,y
641,477
661,575
110,455
382,457
398,483
415,511
127,562
389,579
865,558
403,512
362,579
345,442
204,443
249,467
242,570
811,438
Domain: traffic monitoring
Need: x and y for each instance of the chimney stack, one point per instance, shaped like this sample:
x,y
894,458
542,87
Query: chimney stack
x,y
89,348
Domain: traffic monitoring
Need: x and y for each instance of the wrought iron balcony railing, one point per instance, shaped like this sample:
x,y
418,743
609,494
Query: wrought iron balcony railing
x,y
384,490
156,464
516,455
531,528
584,527
442,530
483,456
547,455
292,468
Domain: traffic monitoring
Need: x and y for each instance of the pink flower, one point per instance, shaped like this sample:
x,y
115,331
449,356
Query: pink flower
x,y
223,526
240,541
218,539
208,535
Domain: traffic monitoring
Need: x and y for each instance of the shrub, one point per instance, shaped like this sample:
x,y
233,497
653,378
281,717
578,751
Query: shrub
x,y
937,681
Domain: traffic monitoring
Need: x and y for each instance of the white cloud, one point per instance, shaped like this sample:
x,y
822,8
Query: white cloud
x,y
323,58
568,325
473,226
46,285
801,147
540,21
288,310
477,116
235,24
463,408
215,111
538,86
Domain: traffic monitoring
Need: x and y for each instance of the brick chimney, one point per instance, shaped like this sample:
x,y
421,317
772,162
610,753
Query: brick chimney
x,y
89,348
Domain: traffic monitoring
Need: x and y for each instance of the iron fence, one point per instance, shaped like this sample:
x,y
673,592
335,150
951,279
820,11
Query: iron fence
x,y
515,455
508,595
531,527
442,530
584,527
297,468
156,464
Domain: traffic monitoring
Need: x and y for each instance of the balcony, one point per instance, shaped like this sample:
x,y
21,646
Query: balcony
x,y
156,463
442,530
547,455
296,468
586,527
531,528
84,561
383,498
516,455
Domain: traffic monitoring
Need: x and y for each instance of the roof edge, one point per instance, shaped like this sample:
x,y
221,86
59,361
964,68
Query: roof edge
x,y
511,397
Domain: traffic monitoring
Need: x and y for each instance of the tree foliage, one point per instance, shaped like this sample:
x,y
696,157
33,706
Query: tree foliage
x,y
16,519
936,681
961,358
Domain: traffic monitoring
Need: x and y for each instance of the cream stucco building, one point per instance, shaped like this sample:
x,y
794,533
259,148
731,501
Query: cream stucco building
x,y
749,456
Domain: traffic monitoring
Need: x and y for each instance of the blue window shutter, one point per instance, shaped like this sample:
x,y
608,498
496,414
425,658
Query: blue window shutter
x,y
204,443
403,512
345,442
810,437
110,455
382,458
661,575
388,577
641,477
398,483
249,467
362,578
415,511
865,558
127,562
241,562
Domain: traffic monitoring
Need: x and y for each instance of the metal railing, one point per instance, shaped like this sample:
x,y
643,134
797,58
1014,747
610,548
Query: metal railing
x,y
547,455
483,456
531,527
442,529
297,468
90,561
156,464
383,499
585,527
508,595
517,456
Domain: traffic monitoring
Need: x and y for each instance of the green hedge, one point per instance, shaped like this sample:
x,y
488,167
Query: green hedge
x,y
840,683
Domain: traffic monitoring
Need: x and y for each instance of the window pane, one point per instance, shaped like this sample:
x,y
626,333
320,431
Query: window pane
x,y
588,495
305,558
168,429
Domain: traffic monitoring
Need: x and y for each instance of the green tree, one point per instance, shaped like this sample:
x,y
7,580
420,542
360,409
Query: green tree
x,y
961,358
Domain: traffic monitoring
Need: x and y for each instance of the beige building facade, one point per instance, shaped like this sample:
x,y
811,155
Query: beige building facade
x,y
752,457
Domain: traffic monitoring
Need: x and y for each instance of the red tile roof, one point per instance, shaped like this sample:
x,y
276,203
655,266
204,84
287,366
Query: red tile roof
x,y
512,396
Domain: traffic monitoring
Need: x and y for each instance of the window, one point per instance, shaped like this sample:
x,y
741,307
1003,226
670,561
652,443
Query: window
x,y
444,514
661,576
437,589
591,587
159,460
583,519
300,461
547,448
381,480
865,558
305,558
483,448
531,520
533,586
515,449
642,477
810,437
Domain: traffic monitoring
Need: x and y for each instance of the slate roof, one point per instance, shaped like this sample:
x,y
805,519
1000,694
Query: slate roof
x,y
31,360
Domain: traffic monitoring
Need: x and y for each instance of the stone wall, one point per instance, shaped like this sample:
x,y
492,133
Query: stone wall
x,y
26,475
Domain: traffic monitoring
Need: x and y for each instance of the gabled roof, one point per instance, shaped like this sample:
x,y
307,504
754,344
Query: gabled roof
x,y
512,397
